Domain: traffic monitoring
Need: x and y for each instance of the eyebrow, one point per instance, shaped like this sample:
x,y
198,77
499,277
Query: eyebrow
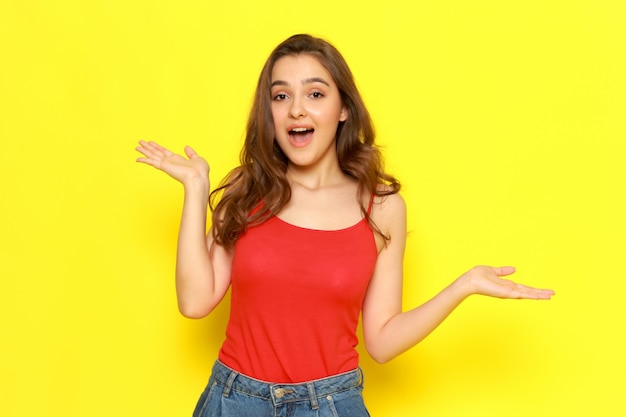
x,y
305,81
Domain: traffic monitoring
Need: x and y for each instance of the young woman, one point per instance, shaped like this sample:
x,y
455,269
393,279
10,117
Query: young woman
x,y
309,232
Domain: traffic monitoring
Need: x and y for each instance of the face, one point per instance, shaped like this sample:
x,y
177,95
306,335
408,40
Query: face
x,y
307,108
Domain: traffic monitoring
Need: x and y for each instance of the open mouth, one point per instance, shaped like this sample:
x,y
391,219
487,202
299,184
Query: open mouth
x,y
301,131
301,135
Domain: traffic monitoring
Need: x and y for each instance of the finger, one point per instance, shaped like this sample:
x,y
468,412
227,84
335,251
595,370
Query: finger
x,y
157,146
142,145
144,151
535,295
529,288
190,152
524,291
146,148
150,145
148,155
504,270
151,154
147,161
140,150
160,150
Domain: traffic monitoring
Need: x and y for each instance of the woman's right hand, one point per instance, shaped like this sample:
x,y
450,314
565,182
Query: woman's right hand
x,y
184,170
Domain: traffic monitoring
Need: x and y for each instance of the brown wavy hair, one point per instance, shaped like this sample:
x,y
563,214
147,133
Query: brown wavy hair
x,y
258,188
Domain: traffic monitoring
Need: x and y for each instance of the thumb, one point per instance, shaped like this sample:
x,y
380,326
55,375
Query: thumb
x,y
504,270
190,152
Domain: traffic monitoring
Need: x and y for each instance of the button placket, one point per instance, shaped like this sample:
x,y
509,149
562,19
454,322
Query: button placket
x,y
280,392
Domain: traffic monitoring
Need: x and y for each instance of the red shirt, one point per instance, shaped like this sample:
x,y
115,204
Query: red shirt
x,y
296,297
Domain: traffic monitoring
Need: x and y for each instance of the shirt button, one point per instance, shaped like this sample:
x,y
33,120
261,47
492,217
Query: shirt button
x,y
280,393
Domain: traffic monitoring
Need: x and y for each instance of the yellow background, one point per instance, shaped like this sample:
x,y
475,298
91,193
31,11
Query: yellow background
x,y
505,122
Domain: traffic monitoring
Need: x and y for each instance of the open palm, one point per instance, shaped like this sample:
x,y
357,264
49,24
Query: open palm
x,y
177,166
487,280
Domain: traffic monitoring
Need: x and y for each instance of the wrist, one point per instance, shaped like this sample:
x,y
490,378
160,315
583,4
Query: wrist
x,y
463,287
196,182
197,186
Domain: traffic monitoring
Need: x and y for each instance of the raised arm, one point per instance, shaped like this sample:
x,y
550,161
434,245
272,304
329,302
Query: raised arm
x,y
387,330
202,275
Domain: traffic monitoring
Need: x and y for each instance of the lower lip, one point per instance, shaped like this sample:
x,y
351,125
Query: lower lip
x,y
300,141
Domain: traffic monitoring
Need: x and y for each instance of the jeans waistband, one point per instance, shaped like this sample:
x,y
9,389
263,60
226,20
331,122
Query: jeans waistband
x,y
286,392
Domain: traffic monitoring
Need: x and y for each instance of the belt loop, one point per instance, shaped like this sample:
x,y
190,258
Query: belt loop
x,y
229,383
312,395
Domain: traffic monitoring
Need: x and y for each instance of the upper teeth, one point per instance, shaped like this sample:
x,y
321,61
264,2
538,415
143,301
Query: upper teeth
x,y
299,129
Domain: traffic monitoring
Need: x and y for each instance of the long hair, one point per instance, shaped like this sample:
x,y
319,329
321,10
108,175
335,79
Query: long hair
x,y
258,188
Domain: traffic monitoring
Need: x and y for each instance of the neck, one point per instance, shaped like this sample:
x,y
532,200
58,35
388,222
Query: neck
x,y
315,178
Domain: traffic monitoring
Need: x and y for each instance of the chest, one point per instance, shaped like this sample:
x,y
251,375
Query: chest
x,y
280,260
331,208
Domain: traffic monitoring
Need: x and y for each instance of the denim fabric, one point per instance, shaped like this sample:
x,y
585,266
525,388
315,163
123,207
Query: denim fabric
x,y
231,394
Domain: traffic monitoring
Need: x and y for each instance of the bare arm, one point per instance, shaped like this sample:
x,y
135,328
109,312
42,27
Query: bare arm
x,y
202,275
387,330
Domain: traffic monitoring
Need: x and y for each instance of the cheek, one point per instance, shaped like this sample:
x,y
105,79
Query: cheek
x,y
278,115
319,114
326,117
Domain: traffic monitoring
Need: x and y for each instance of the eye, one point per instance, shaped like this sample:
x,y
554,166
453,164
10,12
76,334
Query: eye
x,y
279,97
317,94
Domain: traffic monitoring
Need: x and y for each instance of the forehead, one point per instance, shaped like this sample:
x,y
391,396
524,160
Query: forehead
x,y
296,68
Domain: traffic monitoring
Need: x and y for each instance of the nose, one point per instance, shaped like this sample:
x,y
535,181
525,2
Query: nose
x,y
297,109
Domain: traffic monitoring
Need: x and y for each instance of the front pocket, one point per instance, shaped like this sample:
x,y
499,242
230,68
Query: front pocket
x,y
204,398
347,404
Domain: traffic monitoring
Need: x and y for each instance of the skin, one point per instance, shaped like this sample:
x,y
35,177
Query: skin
x,y
304,95
322,198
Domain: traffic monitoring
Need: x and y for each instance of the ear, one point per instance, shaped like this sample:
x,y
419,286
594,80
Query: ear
x,y
343,116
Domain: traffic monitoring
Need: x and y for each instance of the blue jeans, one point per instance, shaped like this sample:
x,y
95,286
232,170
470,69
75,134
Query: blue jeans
x,y
231,394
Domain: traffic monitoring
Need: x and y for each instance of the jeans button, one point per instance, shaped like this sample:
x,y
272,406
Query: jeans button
x,y
280,393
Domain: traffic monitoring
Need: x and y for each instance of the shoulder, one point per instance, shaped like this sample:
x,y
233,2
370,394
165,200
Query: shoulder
x,y
389,214
388,204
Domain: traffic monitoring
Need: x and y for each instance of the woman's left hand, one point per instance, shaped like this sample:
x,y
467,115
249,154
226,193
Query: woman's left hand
x,y
487,280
